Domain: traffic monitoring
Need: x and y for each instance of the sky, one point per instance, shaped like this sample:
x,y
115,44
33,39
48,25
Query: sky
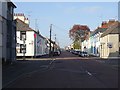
x,y
63,15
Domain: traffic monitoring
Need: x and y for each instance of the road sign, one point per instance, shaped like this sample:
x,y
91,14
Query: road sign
x,y
110,45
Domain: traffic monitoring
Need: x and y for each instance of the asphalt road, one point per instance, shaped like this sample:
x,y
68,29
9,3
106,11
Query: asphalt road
x,y
64,71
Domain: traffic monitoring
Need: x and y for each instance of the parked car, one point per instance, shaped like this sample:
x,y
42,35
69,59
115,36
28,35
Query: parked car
x,y
81,54
76,52
86,54
56,53
73,51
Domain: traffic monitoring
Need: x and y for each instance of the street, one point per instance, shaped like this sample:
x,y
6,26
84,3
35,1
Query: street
x,y
64,71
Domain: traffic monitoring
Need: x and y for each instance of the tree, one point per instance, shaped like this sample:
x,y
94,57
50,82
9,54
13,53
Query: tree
x,y
78,33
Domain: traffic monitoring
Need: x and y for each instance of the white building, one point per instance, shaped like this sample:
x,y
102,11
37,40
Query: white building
x,y
29,40
22,17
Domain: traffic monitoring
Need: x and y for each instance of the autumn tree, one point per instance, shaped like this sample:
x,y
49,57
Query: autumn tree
x,y
78,33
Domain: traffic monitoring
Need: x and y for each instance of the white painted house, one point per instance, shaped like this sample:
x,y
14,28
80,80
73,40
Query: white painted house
x,y
29,40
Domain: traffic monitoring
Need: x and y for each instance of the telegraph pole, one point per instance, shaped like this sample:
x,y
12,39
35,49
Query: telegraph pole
x,y
50,40
55,38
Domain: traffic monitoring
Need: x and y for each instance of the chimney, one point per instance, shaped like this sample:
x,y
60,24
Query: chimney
x,y
111,21
104,24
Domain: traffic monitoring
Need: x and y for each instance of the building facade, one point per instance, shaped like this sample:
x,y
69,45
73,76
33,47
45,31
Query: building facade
x,y
7,32
93,44
29,42
95,41
110,40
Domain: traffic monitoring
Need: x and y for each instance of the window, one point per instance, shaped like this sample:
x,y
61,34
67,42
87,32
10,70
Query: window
x,y
23,35
17,45
119,37
22,48
119,50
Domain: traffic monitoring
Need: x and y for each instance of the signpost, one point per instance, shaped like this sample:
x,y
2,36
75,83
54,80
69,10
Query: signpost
x,y
110,45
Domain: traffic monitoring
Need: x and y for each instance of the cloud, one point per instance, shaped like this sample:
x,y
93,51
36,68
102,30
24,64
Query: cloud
x,y
88,10
93,9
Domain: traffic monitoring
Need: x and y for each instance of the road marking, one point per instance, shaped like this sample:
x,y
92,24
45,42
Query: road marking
x,y
53,59
88,73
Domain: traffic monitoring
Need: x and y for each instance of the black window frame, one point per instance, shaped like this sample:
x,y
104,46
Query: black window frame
x,y
22,47
21,34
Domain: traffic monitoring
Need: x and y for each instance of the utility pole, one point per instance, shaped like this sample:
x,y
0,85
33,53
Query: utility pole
x,y
54,48
55,38
50,40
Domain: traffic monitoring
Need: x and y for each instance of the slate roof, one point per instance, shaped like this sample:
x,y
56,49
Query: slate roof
x,y
22,26
99,30
113,29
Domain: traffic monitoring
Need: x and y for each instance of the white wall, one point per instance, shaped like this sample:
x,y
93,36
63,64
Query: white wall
x,y
34,46
110,52
114,39
30,43
20,17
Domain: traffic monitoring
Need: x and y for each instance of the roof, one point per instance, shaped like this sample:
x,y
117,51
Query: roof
x,y
98,30
106,24
22,26
11,4
113,29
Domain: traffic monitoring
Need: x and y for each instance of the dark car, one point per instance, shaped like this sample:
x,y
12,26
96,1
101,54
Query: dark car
x,y
86,54
56,53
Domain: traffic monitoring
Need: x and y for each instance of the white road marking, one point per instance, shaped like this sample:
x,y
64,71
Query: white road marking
x,y
88,73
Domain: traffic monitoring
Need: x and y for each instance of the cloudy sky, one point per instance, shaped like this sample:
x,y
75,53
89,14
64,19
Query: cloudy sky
x,y
63,15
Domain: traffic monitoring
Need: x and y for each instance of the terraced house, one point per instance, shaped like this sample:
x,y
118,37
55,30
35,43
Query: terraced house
x,y
92,45
30,43
110,42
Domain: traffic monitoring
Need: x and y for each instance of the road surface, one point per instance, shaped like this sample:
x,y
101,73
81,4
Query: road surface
x,y
64,71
